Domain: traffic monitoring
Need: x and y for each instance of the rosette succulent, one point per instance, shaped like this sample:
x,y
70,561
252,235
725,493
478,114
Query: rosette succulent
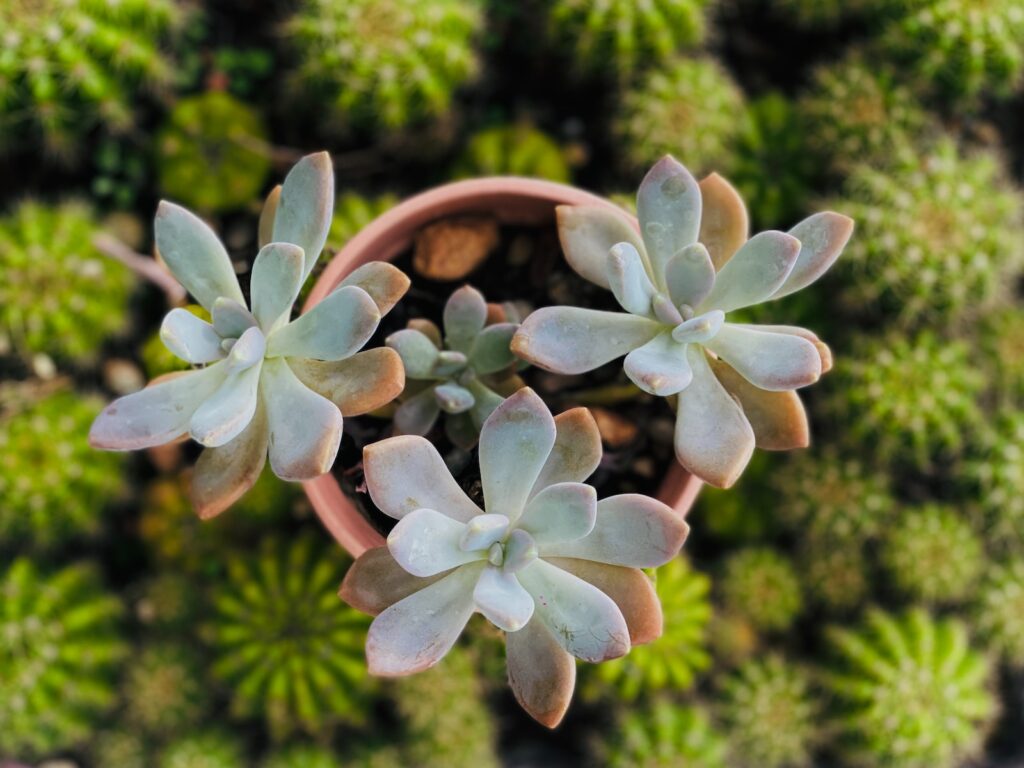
x,y
761,585
734,384
544,561
267,382
999,611
994,475
460,373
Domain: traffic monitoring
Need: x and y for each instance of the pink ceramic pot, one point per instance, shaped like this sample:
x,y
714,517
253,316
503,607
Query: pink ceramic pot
x,y
511,200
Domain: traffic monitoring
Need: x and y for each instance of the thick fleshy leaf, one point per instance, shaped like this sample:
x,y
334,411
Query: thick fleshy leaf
x,y
222,416
191,338
425,543
376,581
587,233
334,329
514,444
417,351
724,225
690,275
777,418
428,329
305,428
629,280
195,255
520,551
713,438
247,351
483,531
584,620
485,400
823,351
700,329
416,632
754,273
418,414
406,473
561,512
265,230
358,384
631,590
822,238
631,530
491,350
385,283
668,205
157,414
576,452
659,366
305,207
574,340
276,279
452,398
501,598
772,361
231,319
465,313
223,475
541,674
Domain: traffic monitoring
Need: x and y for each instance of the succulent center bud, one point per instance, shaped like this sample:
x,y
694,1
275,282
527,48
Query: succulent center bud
x,y
700,329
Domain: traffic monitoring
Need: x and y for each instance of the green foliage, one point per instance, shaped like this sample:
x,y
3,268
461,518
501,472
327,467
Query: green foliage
x,y
517,149
1001,343
691,109
621,37
69,65
287,647
206,749
53,485
745,512
60,296
386,63
813,14
994,474
909,692
59,651
770,714
937,237
663,734
213,153
303,756
999,611
932,555
121,748
761,585
163,692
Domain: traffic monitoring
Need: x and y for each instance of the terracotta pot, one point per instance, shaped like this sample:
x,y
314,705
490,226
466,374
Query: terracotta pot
x,y
511,200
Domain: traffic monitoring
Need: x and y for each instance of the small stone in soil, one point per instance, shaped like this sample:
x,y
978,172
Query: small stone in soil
x,y
452,248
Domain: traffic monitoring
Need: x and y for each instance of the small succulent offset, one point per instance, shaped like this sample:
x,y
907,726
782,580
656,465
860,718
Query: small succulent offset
x,y
267,382
546,562
461,373
692,264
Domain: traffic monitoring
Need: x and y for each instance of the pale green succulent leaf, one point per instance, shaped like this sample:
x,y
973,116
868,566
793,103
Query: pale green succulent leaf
x,y
191,338
629,280
224,415
659,367
561,512
668,205
276,279
755,273
690,275
822,239
452,398
465,314
500,597
587,234
230,318
417,351
491,349
418,414
385,283
305,207
426,542
772,361
334,329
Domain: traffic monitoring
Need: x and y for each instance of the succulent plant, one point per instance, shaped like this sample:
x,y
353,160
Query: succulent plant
x,y
689,107
673,661
54,488
940,238
69,65
876,392
623,37
664,734
162,690
214,153
1001,343
761,585
994,474
167,603
769,714
302,756
283,643
733,638
546,562
205,749
60,646
123,748
268,381
460,373
386,63
932,555
157,359
735,383
517,149
999,611
835,573
60,296
909,691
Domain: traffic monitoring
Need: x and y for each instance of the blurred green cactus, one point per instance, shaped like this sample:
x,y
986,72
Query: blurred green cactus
x,y
909,692
663,734
167,603
60,647
761,585
123,748
213,153
53,485
206,749
815,14
302,756
834,572
162,690
385,63
994,474
1001,343
999,611
517,149
59,295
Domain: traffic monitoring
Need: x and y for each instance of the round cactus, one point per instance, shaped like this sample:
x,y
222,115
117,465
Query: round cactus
x,y
672,660
663,734
163,692
207,749
834,572
303,756
122,748
690,108
213,153
60,296
1001,342
513,150
167,602
909,691
769,714
53,485
762,586
386,63
284,643
994,473
68,65
939,237
932,555
622,37
60,649
999,611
